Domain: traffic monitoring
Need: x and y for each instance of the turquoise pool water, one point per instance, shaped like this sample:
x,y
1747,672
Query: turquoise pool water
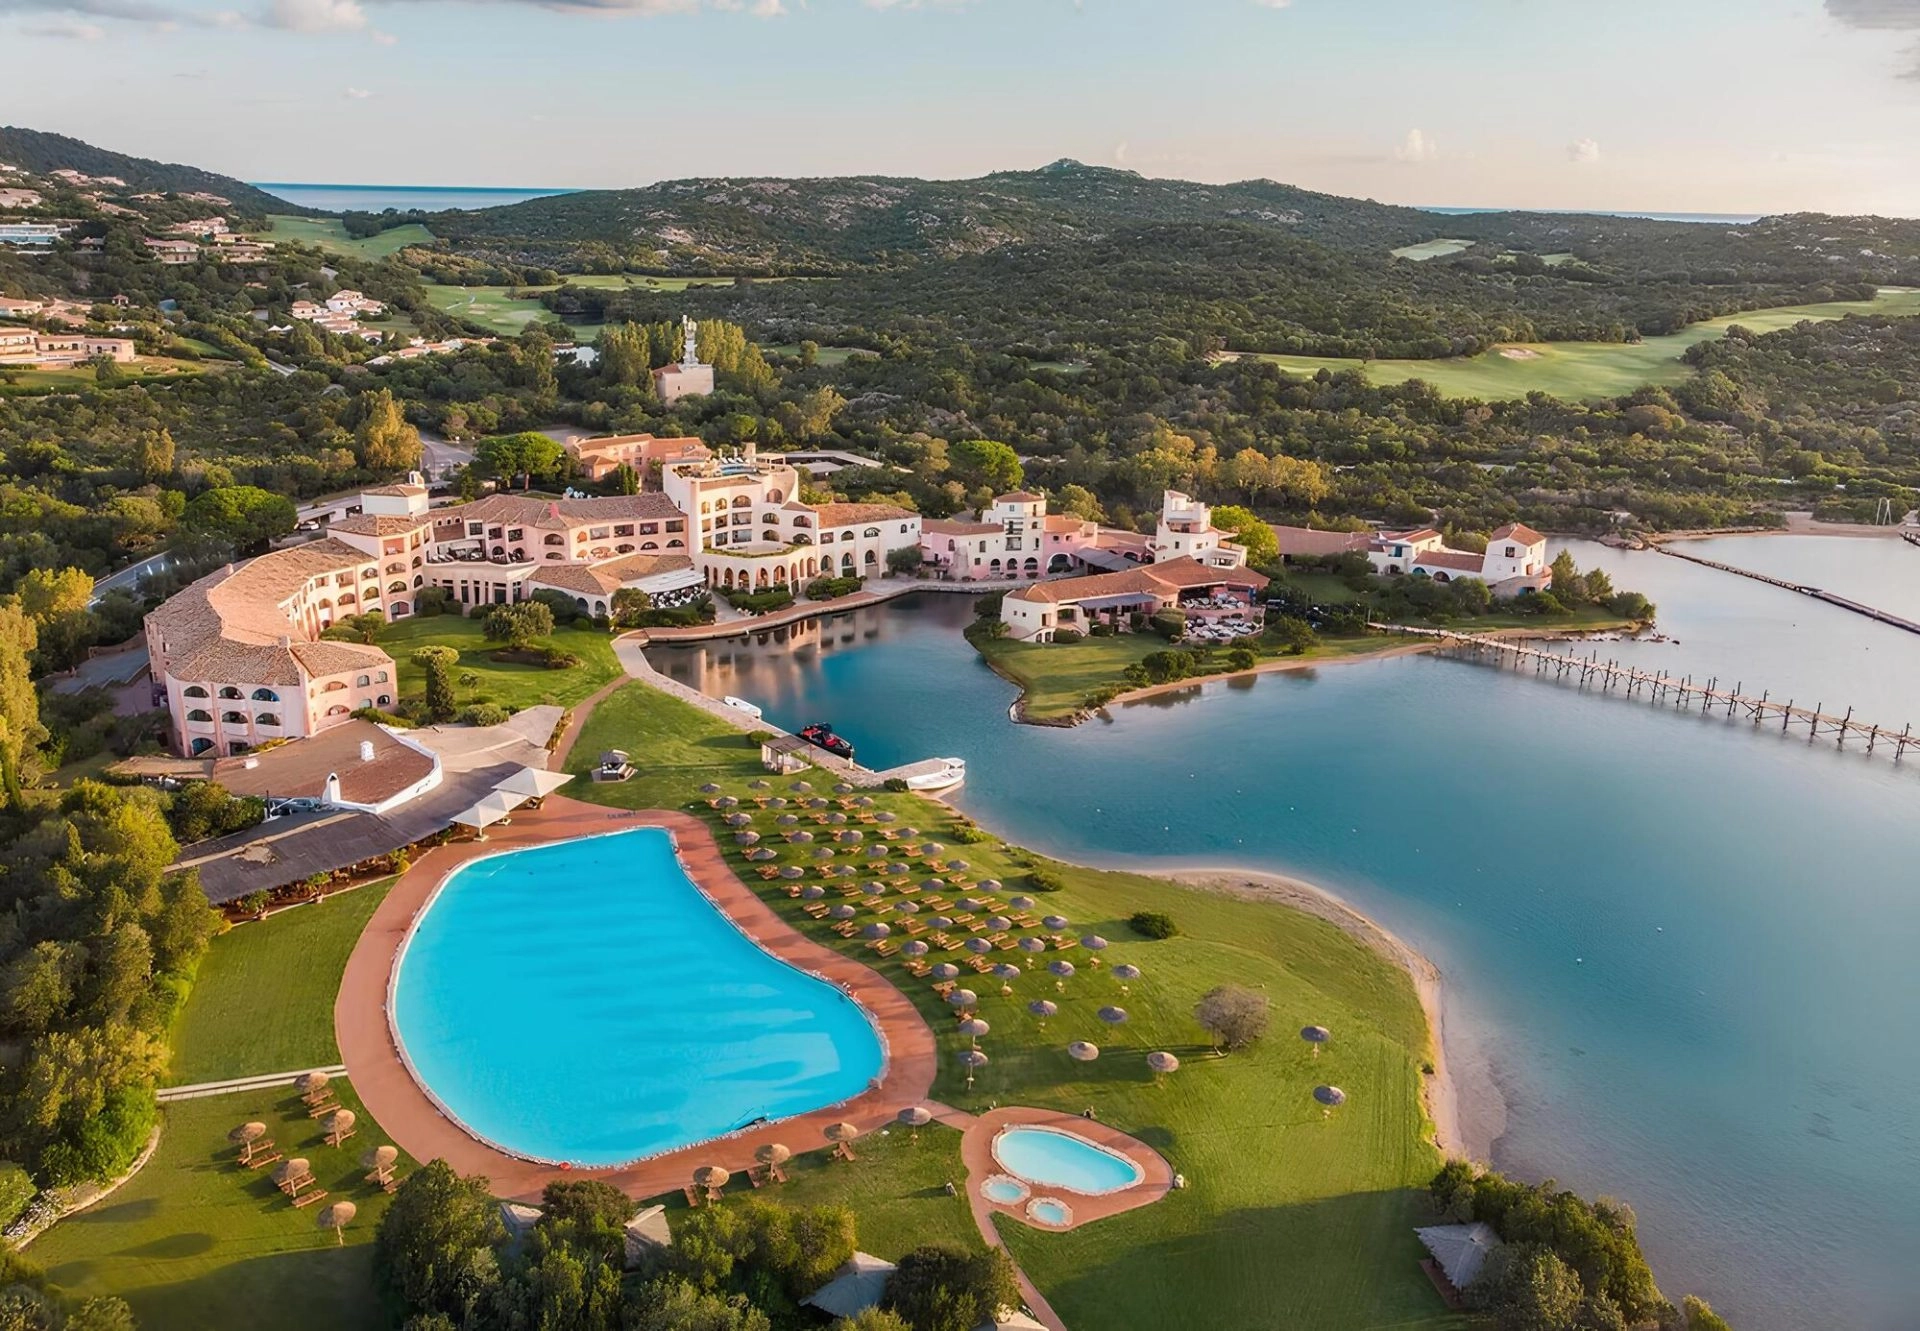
x,y
1050,1211
1006,1191
1061,1160
584,1002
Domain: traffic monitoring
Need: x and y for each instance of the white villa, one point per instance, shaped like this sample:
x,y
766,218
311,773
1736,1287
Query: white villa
x,y
1515,559
1206,592
27,347
692,377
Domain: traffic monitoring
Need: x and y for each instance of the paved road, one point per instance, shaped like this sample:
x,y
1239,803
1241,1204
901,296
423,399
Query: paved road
x,y
130,576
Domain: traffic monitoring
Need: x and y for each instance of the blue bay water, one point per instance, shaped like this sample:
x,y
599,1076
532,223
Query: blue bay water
x,y
1680,955
378,198
584,1002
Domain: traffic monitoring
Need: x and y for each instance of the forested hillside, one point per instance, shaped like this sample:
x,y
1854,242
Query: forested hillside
x,y
39,152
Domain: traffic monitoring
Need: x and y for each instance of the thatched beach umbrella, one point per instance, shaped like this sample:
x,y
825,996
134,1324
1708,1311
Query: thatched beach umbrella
x,y
727,802
915,1116
1020,903
970,903
817,802
913,948
802,787
776,801
908,907
842,788
762,855
896,868
746,838
288,1172
379,1157
823,853
842,1135
837,819
1082,1051
979,946
974,1027
875,930
941,922
876,852
336,1217
339,1126
709,788
933,848
1162,1062
1032,945
843,911
990,884
773,1153
999,923
935,884
963,998
864,802
958,864
1315,1036
739,820
801,837
1330,1096
1094,943
247,1134
792,871
886,816
787,819
1113,1016
311,1084
759,783
1126,970
1043,1008
1064,969
909,832
972,1058
873,887
712,1178
853,836
1006,970
946,970
1055,921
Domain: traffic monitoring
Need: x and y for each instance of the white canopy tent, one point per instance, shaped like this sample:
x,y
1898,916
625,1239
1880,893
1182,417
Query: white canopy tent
x,y
533,783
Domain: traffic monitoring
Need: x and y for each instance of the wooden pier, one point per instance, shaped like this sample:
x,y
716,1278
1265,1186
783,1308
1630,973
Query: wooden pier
x,y
1816,593
1678,693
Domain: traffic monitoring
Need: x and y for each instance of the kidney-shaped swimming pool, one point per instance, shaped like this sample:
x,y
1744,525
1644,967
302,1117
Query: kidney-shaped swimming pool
x,y
584,1002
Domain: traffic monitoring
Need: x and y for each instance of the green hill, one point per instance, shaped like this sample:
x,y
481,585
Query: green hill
x,y
40,152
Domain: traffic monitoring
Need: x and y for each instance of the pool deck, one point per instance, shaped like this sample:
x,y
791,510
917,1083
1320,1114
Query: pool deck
x,y
402,1109
976,1151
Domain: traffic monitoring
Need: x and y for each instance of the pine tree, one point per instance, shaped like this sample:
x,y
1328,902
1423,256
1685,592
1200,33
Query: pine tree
x,y
384,441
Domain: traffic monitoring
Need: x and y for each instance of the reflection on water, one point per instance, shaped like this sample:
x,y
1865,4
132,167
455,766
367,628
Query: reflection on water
x,y
1642,915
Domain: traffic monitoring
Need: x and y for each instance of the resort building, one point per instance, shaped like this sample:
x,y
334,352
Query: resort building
x,y
1014,538
54,309
341,313
600,458
418,346
1515,559
19,198
37,234
29,348
1186,530
753,531
173,251
1207,592
691,377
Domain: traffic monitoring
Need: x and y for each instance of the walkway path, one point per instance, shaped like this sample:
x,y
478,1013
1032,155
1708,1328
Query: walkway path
x,y
263,1082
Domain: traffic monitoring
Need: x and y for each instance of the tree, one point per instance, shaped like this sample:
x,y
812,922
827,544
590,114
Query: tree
x,y
872,1319
1250,471
517,625
154,460
385,442
245,516
630,605
1249,531
987,463
361,628
624,480
1076,501
1536,1291
424,1249
905,560
1303,482
625,355
20,730
940,1288
202,809
1233,1014
526,456
669,1305
438,661
1701,1317
1569,586
58,602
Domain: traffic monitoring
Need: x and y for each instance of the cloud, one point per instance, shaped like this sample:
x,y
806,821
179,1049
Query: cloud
x,y
133,11
1883,15
314,15
1584,150
66,29
357,94
1416,147
1273,4
383,38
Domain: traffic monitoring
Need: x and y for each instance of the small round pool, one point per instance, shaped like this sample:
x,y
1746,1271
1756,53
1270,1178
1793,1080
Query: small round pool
x,y
1005,1189
1054,1159
1050,1211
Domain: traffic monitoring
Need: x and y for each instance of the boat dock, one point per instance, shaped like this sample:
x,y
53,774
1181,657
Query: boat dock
x,y
1679,694
1802,588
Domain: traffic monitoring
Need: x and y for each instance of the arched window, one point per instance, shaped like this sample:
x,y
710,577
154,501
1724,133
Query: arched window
x,y
265,695
333,686
346,599
649,545
555,538
676,544
230,693
233,718
803,521
379,676
623,549
386,700
268,719
580,601
871,531
419,581
400,586
846,560
199,714
397,566
770,535
741,501
774,496
338,709
194,691
599,607
873,558
827,538
200,746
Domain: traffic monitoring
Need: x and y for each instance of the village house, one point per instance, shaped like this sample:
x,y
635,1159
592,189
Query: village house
x,y
40,235
1206,592
173,251
1015,537
200,228
19,198
1515,559
26,347
599,458
418,346
691,377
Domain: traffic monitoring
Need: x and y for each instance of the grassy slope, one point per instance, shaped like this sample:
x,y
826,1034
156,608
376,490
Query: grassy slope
x,y
263,1001
1291,1218
196,1243
512,686
1432,249
328,233
1590,369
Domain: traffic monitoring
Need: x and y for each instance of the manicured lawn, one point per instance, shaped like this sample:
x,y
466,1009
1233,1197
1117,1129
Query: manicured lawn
x,y
896,1185
512,686
495,309
195,1242
70,376
263,1001
330,234
1432,249
1290,1218
1583,370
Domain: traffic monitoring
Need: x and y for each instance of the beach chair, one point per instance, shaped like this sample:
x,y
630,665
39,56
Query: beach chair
x,y
817,909
918,968
779,1174
1005,942
260,1160
943,987
913,927
886,948
755,1176
309,1198
692,1194
322,1110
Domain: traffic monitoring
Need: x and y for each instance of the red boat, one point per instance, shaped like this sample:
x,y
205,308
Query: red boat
x,y
821,736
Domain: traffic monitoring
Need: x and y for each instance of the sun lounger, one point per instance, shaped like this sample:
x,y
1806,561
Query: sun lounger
x,y
885,948
943,987
846,928
779,1174
755,1177
692,1195
309,1198
335,1138
322,1110
259,1160
817,909
918,968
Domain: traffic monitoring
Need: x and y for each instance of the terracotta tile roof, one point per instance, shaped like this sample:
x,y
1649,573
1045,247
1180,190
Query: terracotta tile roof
x,y
632,568
1017,497
1308,541
301,769
955,527
379,524
846,515
1456,559
1516,531
1162,579
1419,534
396,491
555,514
1065,522
575,578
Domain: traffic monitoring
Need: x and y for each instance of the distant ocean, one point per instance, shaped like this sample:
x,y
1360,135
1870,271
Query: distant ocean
x,y
1718,219
377,198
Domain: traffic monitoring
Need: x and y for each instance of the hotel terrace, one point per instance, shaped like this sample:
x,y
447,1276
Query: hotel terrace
x,y
1205,591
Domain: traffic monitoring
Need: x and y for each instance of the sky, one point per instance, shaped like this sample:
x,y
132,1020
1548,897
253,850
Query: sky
x,y
1671,105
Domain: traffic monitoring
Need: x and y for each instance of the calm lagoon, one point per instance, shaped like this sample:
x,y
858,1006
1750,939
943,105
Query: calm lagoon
x,y
1680,955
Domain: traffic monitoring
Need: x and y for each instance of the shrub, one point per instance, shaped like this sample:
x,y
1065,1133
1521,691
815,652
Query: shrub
x,y
897,785
1044,880
988,606
398,720
1099,631
758,737
485,714
1241,658
562,607
1067,635
826,588
517,625
16,1190
938,1288
106,1142
1152,924
205,809
431,601
760,603
1169,624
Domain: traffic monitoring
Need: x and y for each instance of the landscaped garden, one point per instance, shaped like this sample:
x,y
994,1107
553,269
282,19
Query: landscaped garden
x,y
512,684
